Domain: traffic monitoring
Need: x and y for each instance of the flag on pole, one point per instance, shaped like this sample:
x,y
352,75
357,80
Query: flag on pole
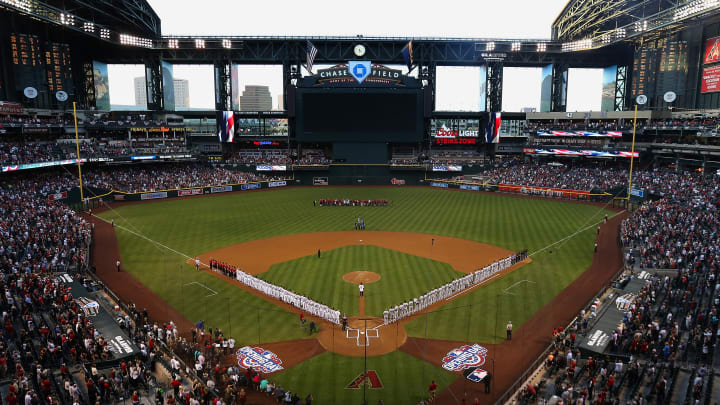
x,y
407,53
311,55
492,129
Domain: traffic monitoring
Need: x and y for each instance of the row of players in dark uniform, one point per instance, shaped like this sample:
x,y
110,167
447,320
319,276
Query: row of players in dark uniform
x,y
226,269
351,203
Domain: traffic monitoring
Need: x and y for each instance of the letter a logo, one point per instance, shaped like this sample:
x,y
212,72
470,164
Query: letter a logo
x,y
370,378
359,69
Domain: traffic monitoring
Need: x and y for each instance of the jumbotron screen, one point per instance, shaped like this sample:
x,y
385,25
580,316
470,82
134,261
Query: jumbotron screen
x,y
359,115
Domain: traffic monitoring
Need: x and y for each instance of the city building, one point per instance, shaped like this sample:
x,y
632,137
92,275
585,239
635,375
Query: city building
x,y
256,98
140,93
182,93
181,90
280,104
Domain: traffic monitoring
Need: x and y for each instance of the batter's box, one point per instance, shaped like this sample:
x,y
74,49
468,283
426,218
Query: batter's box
x,y
355,336
362,338
370,335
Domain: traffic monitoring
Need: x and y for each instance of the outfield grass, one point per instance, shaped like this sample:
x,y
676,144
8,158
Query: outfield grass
x,y
403,277
404,378
198,225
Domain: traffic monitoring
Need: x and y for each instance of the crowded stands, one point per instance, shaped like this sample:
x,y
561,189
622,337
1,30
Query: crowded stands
x,y
665,349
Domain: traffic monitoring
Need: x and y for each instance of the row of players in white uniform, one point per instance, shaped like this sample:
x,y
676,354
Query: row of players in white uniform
x,y
454,287
289,297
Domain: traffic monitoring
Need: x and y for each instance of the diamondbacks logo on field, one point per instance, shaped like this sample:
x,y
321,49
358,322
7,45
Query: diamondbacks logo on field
x,y
477,375
258,359
370,378
465,357
89,307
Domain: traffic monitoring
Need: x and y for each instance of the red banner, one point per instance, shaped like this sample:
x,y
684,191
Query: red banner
x,y
710,79
544,191
57,196
195,191
712,50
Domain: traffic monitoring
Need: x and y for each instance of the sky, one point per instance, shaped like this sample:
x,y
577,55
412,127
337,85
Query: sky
x,y
457,89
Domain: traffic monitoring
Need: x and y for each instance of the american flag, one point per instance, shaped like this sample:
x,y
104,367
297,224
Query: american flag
x,y
311,54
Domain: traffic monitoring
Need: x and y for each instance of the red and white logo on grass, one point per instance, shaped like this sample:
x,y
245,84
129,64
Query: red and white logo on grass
x,y
370,378
465,357
258,359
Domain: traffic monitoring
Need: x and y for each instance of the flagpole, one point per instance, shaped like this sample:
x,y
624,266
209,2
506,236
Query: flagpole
x,y
632,153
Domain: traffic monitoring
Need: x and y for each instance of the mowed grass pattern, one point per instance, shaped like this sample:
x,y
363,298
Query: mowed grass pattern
x,y
403,277
326,376
198,225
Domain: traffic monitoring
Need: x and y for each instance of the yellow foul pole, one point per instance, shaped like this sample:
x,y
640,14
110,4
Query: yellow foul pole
x,y
77,146
632,154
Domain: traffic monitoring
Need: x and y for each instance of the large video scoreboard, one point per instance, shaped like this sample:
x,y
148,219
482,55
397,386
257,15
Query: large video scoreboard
x,y
359,115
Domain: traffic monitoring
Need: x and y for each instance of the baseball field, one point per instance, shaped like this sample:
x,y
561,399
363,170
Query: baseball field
x,y
426,238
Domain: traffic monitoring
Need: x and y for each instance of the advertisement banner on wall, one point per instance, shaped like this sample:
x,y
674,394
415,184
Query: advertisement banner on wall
x,y
277,184
546,191
273,168
102,86
57,196
436,184
607,102
469,187
153,196
220,189
320,181
712,50
250,186
195,191
447,168
710,79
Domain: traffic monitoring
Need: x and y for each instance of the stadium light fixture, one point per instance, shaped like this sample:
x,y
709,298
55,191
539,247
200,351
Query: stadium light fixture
x,y
226,43
200,44
620,33
131,40
490,46
24,5
515,46
67,19
173,44
694,7
577,45
541,47
89,27
104,33
641,26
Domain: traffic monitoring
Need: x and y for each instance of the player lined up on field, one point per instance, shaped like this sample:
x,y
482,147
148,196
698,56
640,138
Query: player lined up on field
x,y
450,289
288,297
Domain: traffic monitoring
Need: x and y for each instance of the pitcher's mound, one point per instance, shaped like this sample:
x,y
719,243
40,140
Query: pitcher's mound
x,y
358,277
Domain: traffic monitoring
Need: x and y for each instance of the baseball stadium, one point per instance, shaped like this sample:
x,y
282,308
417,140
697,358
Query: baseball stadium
x,y
262,219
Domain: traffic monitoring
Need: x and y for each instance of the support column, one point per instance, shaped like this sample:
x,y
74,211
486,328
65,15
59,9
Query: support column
x,y
558,100
493,102
621,88
154,85
223,85
87,93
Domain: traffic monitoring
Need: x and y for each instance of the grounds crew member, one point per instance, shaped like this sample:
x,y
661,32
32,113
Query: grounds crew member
x,y
509,330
